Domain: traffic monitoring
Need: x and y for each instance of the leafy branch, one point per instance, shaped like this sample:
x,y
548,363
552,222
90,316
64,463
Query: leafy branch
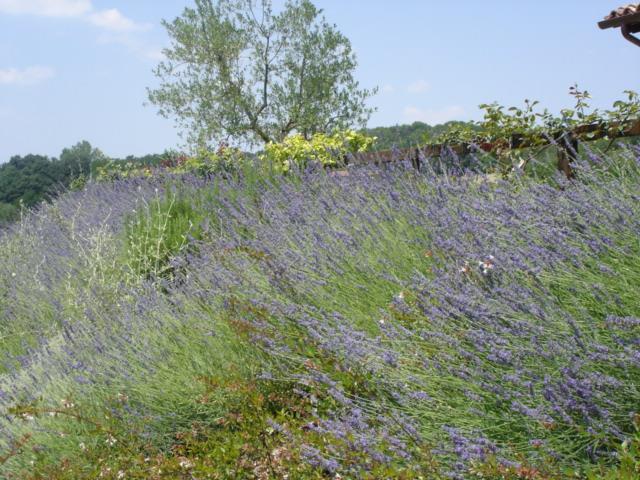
x,y
502,127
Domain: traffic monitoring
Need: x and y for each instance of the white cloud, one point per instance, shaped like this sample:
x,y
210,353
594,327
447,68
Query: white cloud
x,y
134,44
156,54
388,89
420,86
48,8
26,76
433,116
113,20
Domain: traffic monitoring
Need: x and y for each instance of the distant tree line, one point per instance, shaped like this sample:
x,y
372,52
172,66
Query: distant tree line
x,y
411,135
28,180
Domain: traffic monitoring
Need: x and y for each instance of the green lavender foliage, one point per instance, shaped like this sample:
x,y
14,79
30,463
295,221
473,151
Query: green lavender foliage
x,y
325,325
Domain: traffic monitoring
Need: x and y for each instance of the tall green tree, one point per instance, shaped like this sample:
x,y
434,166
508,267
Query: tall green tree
x,y
30,179
237,71
77,160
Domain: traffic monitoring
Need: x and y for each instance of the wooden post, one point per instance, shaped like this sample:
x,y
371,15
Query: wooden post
x,y
415,159
567,152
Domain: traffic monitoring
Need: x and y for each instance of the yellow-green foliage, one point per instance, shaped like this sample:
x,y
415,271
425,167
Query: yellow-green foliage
x,y
206,162
323,148
115,170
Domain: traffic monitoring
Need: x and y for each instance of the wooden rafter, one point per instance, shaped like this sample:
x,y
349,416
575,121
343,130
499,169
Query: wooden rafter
x,y
627,19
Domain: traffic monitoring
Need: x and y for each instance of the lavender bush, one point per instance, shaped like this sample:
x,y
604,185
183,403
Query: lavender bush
x,y
427,325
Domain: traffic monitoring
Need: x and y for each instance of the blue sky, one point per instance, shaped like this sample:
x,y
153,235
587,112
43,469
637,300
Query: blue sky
x,y
72,70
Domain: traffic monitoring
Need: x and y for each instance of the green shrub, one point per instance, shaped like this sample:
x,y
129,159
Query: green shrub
x,y
117,170
8,212
328,150
158,232
78,183
224,160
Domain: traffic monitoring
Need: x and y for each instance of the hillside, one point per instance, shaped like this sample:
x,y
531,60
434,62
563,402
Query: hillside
x,y
382,324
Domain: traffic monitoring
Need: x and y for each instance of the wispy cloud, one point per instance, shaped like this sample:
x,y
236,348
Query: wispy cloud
x,y
109,19
48,8
113,20
419,86
27,76
433,116
133,43
388,88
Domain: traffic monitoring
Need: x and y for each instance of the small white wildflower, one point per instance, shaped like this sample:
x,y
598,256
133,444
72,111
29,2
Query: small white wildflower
x,y
111,440
120,474
122,398
13,274
186,463
27,416
381,321
400,296
487,265
82,446
67,403
53,414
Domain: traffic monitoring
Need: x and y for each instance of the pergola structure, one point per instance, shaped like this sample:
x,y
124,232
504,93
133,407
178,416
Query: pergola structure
x,y
628,19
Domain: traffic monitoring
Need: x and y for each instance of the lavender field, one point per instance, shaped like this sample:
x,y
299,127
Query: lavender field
x,y
381,324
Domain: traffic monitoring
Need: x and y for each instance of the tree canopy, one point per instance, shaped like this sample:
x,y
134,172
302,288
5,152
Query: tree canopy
x,y
237,71
411,135
27,180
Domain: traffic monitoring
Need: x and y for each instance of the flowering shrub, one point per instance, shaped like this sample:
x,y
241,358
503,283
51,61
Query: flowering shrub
x,y
382,324
325,149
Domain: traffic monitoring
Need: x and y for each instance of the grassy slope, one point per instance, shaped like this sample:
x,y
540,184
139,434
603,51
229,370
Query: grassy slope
x,y
323,325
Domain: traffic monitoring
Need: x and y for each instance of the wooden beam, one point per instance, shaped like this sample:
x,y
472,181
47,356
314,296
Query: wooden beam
x,y
583,133
628,31
632,20
634,130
